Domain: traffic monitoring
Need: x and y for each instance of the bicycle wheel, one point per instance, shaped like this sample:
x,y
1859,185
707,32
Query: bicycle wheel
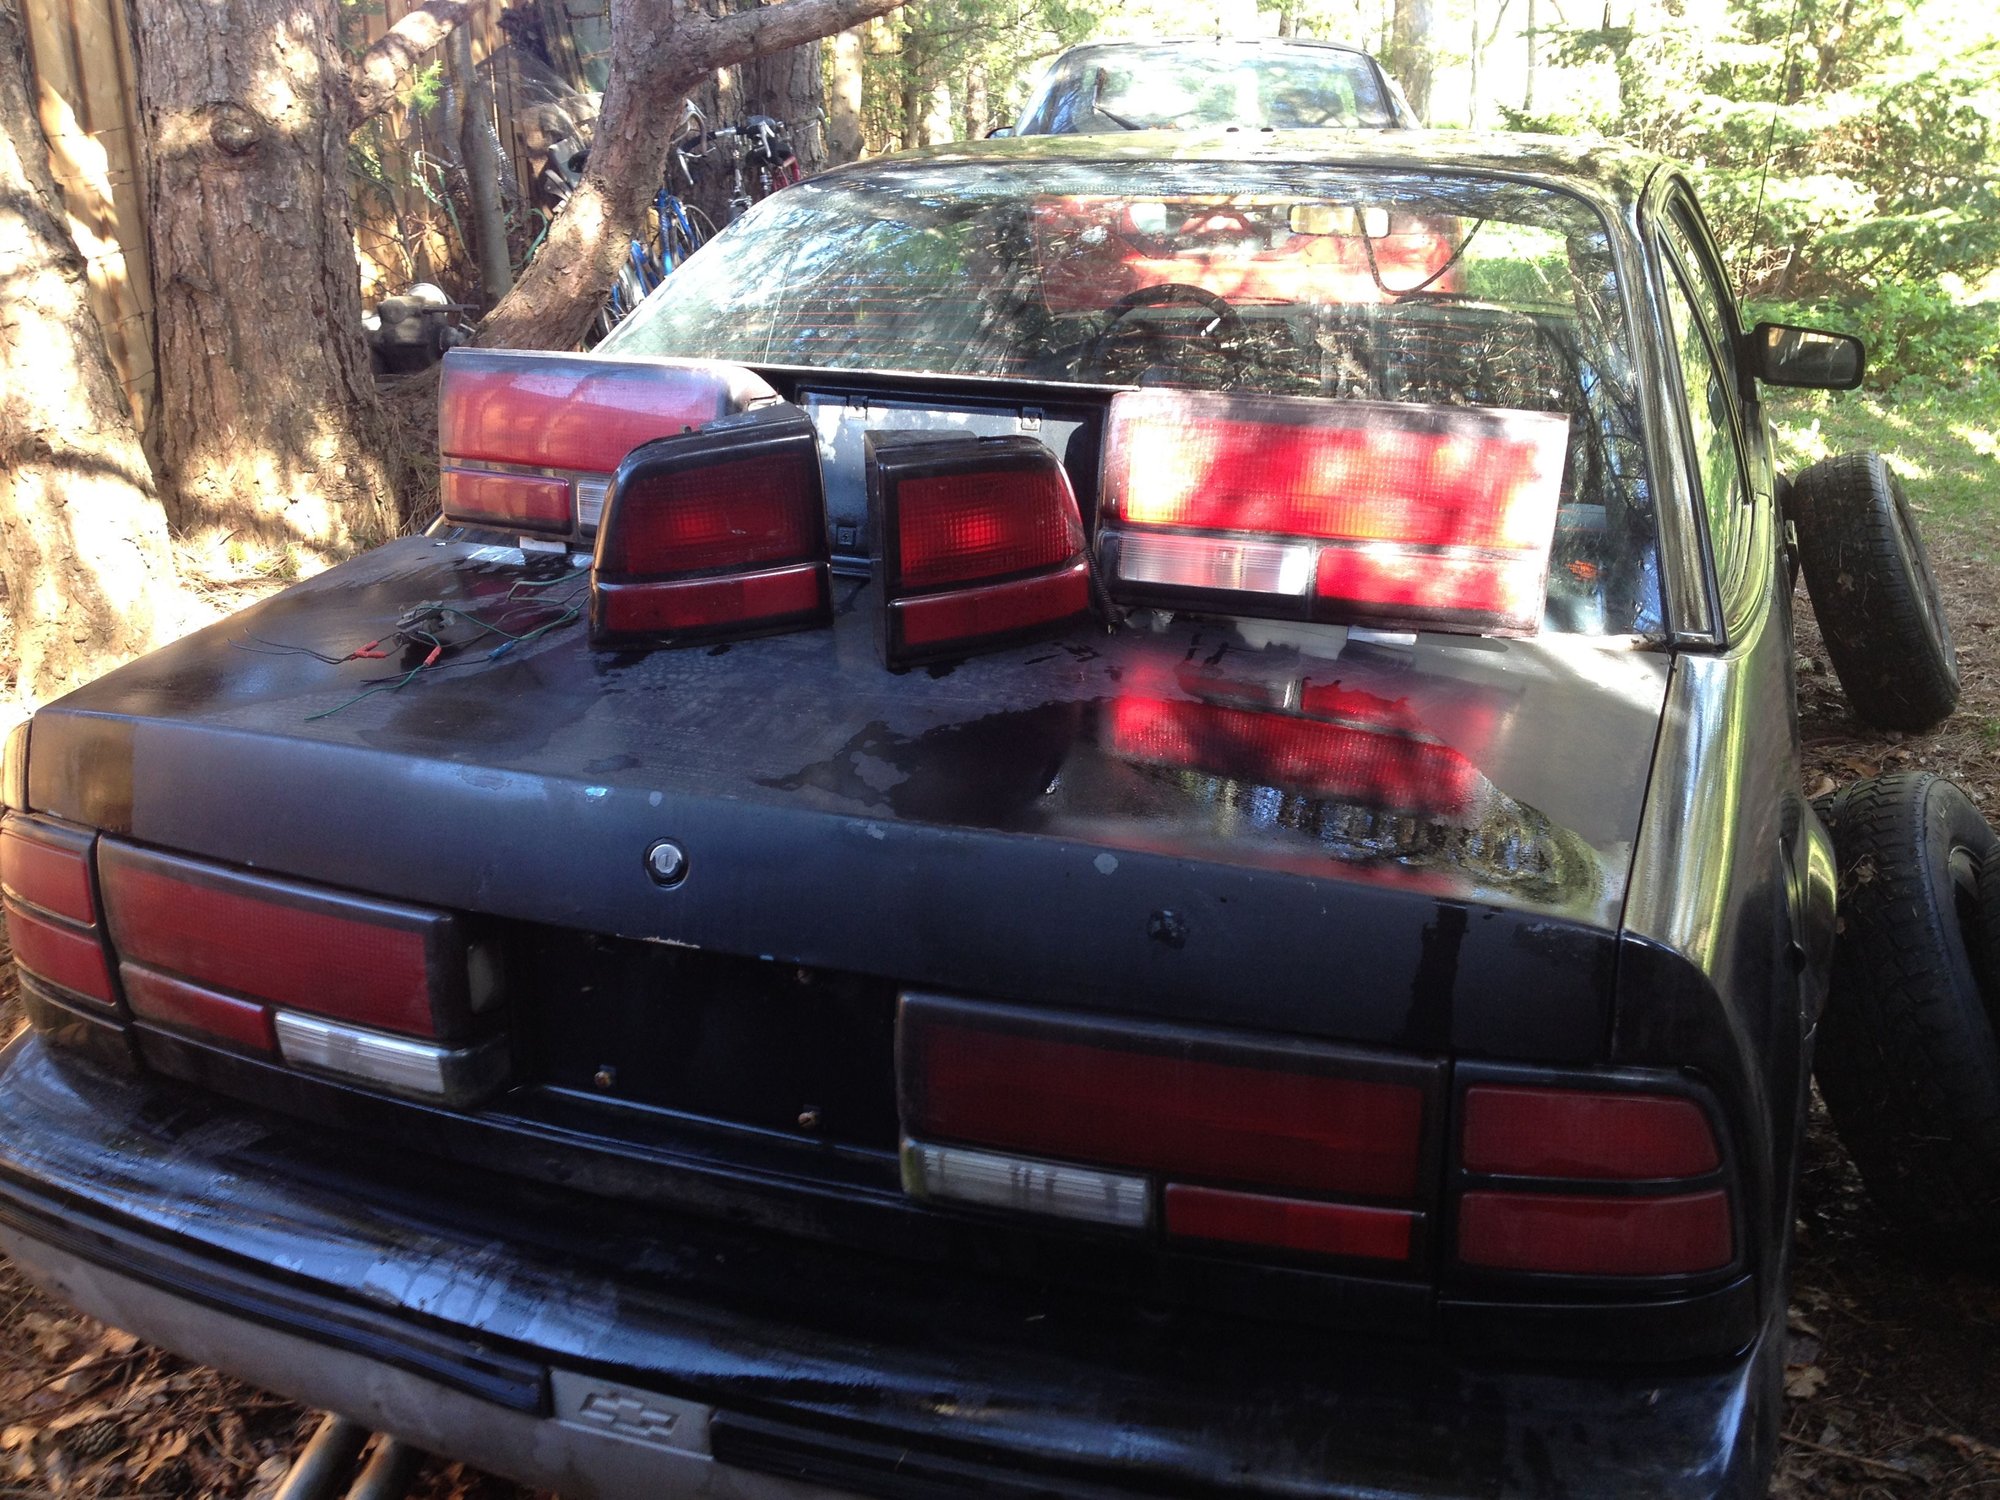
x,y
678,245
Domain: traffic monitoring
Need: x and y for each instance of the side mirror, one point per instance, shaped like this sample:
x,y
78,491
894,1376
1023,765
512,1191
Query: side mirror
x,y
999,132
1807,358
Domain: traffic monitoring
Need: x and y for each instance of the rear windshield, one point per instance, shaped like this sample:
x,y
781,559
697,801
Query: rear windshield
x,y
1337,284
1184,88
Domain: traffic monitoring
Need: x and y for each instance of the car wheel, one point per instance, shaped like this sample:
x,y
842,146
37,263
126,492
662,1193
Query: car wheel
x,y
1907,1057
1989,933
1873,592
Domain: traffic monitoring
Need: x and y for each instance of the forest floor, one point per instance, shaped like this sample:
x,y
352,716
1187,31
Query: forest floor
x,y
1892,1389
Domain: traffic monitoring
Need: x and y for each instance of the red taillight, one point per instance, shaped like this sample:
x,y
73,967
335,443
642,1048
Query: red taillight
x,y
1345,1229
63,955
172,1002
1361,511
1623,1182
979,542
1338,762
1555,1132
1574,1234
717,532
48,867
503,414
985,523
1279,1119
52,908
383,965
523,502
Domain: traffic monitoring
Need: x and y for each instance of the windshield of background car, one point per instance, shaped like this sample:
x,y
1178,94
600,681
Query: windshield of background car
x,y
1282,279
1191,88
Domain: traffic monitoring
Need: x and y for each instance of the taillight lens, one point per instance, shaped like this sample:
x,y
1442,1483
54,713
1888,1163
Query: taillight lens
x,y
1247,1143
1350,511
1568,1234
1547,1132
52,908
281,943
979,543
48,867
526,438
1578,1181
721,532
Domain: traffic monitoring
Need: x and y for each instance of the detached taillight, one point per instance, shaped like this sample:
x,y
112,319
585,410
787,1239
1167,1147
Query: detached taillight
x,y
527,441
1288,1147
1349,511
51,909
375,991
720,532
978,543
1590,1182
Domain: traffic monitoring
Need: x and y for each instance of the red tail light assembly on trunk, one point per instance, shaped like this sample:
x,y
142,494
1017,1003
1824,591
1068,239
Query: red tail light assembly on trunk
x,y
527,441
1349,511
371,990
1290,1147
1580,1181
978,543
717,533
52,913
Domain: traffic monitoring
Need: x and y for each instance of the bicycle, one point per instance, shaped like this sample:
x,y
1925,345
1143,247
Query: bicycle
x,y
679,229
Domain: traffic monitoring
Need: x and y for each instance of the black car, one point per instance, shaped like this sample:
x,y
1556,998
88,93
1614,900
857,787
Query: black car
x,y
1104,816
1192,84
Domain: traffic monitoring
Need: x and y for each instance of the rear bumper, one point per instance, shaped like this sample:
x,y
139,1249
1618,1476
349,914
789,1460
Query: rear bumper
x,y
558,1343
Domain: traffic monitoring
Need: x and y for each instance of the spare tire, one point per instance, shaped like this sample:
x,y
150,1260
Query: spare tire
x,y
1873,592
1908,1060
1989,933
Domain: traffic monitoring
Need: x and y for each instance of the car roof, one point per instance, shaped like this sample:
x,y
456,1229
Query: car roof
x,y
1603,170
1170,43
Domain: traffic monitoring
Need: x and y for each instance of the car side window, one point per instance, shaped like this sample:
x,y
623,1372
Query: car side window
x,y
1710,389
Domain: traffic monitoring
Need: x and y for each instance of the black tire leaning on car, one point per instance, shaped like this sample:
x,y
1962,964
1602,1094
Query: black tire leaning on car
x,y
1873,592
1989,933
1908,1061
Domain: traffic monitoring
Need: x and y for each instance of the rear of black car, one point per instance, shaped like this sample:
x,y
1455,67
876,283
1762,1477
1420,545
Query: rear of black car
x,y
1183,1058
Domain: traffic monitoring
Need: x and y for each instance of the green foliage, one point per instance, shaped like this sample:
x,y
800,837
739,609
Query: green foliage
x,y
1848,153
1912,329
1943,439
426,89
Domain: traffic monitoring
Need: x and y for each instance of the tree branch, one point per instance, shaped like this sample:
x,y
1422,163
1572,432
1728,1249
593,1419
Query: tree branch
x,y
388,63
727,40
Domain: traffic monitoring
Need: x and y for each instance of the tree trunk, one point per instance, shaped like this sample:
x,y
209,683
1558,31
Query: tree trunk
x,y
843,99
83,542
787,86
978,107
1410,55
269,422
656,63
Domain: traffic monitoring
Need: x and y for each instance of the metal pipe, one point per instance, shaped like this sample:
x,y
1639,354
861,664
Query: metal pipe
x,y
325,1462
389,1472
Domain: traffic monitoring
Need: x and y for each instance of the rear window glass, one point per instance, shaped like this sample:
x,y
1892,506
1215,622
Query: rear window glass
x,y
1182,88
1283,280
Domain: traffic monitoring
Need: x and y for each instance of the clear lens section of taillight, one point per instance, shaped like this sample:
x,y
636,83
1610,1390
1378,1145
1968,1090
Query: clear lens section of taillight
x,y
1590,1182
979,543
1296,1148
715,533
526,439
1364,512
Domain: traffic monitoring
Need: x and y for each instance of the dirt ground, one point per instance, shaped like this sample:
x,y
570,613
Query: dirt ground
x,y
1893,1388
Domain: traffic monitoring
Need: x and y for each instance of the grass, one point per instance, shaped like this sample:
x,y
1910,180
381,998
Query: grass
x,y
1943,440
